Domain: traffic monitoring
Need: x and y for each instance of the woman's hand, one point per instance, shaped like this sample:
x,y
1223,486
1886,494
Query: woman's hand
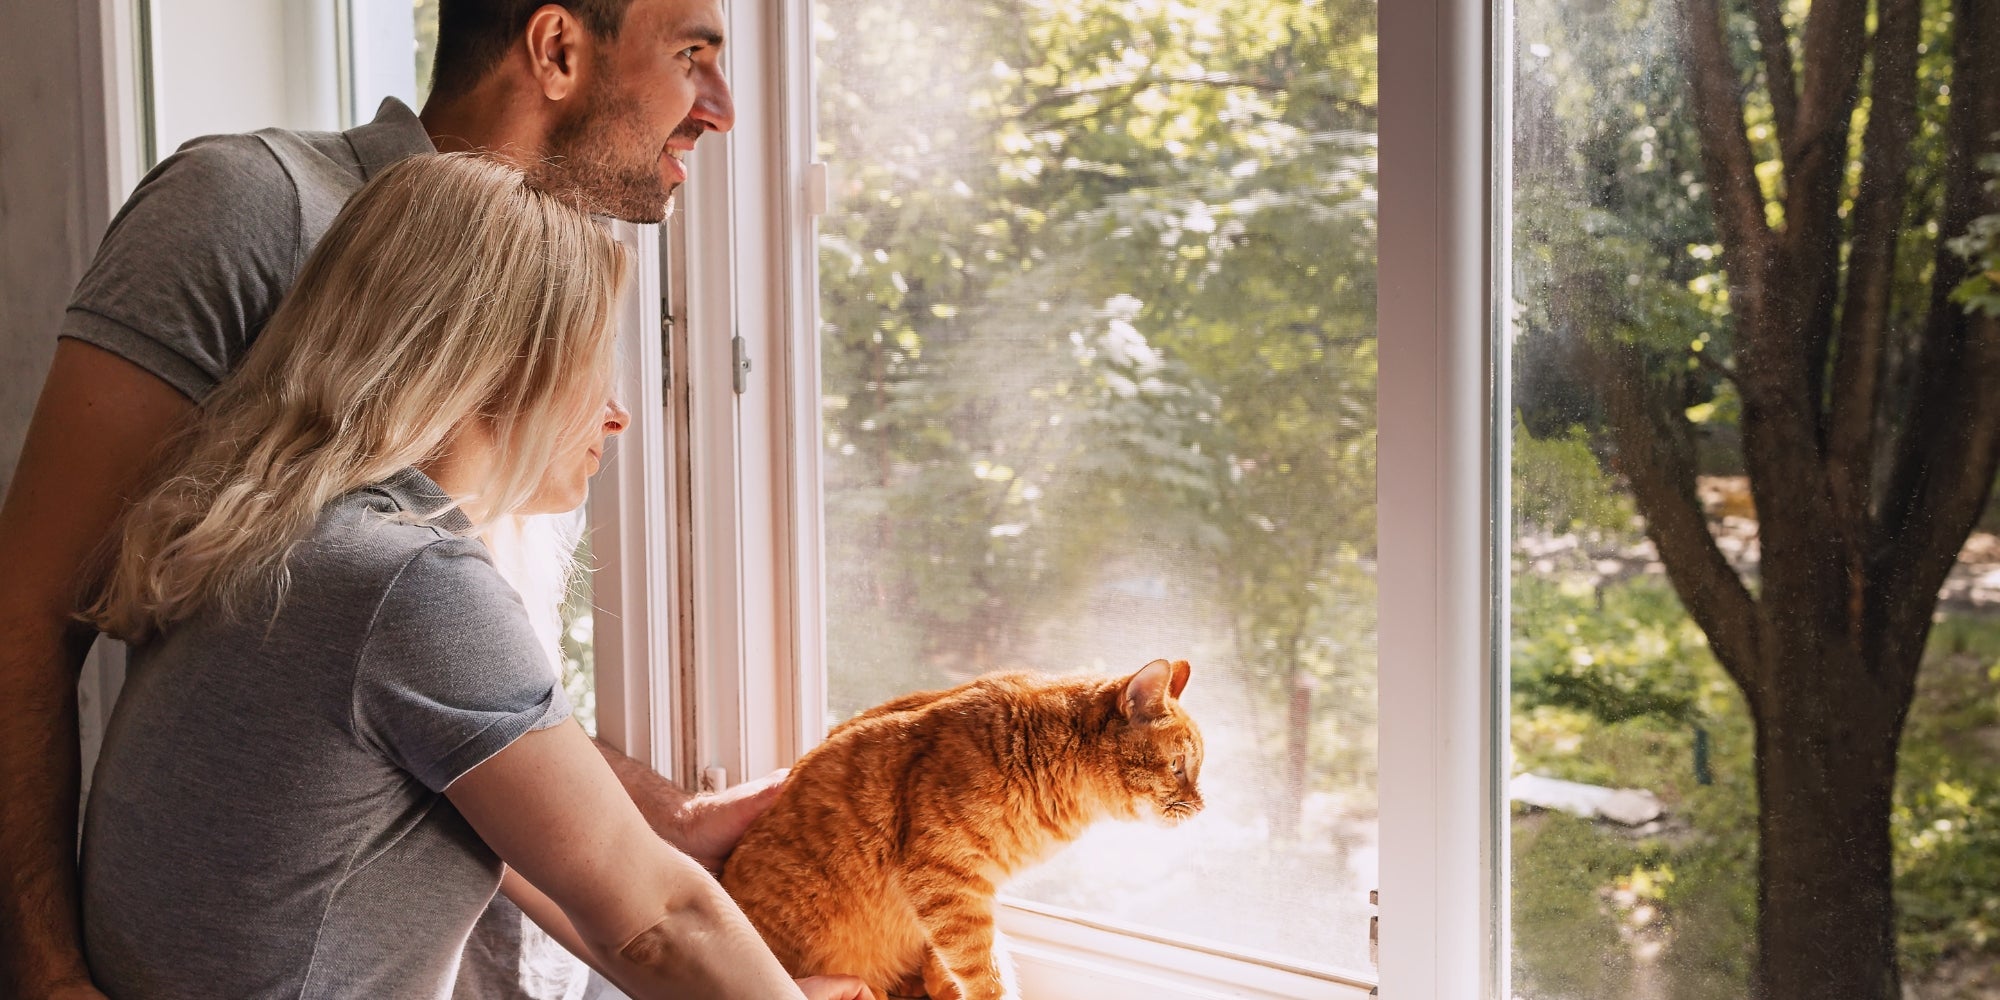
x,y
835,988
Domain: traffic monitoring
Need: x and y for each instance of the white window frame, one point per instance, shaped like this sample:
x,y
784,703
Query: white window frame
x,y
757,568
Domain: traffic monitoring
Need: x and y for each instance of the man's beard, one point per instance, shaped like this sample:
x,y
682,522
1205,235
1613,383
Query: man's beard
x,y
586,162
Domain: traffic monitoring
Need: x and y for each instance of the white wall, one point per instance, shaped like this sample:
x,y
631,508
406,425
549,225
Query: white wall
x,y
236,66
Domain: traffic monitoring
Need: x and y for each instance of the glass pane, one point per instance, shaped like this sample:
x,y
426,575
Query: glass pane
x,y
427,38
1739,479
1098,340
579,617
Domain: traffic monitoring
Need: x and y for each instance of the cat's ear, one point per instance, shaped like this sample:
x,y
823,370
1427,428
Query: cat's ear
x,y
1146,692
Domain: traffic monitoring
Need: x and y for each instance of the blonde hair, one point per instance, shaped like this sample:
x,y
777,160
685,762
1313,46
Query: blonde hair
x,y
447,292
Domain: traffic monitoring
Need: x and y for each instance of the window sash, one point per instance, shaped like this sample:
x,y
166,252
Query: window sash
x,y
710,646
756,565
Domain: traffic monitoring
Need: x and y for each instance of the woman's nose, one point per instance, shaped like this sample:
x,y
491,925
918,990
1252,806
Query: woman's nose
x,y
616,416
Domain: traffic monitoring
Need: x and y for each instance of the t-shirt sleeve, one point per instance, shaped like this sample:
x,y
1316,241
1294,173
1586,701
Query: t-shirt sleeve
x,y
451,672
193,264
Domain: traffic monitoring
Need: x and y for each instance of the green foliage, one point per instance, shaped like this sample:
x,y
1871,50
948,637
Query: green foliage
x,y
1673,906
577,643
1980,246
1559,486
1097,304
1946,826
426,15
1579,930
1612,652
1567,940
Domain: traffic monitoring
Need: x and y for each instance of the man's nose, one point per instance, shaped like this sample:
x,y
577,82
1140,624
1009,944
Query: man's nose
x,y
713,106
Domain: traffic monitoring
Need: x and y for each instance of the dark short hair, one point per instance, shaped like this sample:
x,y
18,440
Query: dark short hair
x,y
473,35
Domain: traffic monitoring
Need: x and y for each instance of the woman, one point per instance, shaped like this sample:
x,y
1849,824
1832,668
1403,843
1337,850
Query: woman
x,y
338,722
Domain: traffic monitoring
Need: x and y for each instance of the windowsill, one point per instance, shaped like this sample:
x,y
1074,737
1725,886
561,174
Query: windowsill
x,y
1065,957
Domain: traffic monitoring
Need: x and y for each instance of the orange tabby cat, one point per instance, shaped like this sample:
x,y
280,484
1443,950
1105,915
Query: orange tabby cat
x,y
881,856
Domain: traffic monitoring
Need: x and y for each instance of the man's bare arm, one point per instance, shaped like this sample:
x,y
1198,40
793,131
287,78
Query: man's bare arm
x,y
706,827
96,427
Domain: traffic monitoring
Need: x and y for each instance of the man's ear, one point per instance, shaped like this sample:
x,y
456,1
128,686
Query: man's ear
x,y
554,41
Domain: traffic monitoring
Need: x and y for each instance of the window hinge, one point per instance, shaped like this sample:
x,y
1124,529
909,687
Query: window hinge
x,y
739,350
666,348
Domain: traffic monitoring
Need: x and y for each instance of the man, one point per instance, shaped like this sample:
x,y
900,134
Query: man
x,y
599,99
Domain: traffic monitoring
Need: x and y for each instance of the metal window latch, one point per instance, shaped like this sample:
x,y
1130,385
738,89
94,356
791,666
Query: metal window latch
x,y
739,351
666,347
1374,931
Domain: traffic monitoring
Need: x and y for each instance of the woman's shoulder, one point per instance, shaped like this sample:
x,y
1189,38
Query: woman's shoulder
x,y
370,541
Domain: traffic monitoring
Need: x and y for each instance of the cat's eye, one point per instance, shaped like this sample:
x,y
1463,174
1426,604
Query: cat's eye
x,y
1180,767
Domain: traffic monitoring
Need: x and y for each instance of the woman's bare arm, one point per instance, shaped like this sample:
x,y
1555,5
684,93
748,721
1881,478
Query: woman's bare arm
x,y
651,919
549,917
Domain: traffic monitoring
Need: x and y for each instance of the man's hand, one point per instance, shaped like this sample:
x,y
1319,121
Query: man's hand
x,y
835,988
705,827
710,825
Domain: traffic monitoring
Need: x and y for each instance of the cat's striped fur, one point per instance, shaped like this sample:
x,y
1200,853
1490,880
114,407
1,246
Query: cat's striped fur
x,y
882,855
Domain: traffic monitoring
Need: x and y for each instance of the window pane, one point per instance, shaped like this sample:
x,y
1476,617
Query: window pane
x,y
281,70
1098,341
427,38
1714,452
578,644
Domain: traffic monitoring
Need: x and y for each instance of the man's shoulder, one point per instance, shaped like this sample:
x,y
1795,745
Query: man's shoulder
x,y
273,165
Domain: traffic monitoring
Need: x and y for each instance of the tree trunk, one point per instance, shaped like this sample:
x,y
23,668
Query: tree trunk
x,y
1290,820
1826,771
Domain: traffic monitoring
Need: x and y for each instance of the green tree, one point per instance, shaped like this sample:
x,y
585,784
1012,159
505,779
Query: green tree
x,y
1102,284
1759,263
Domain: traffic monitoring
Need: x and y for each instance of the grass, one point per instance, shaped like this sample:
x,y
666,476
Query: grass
x,y
1670,912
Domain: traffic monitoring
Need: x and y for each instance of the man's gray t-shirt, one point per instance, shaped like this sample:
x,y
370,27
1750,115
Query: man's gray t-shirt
x,y
188,273
268,817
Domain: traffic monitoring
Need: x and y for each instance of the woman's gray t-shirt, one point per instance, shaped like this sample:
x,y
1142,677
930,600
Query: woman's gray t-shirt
x,y
268,816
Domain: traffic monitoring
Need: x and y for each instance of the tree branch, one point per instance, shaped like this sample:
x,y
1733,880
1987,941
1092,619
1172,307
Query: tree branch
x,y
1141,81
1725,149
1951,445
1856,401
1655,446
1720,370
1816,157
1778,76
